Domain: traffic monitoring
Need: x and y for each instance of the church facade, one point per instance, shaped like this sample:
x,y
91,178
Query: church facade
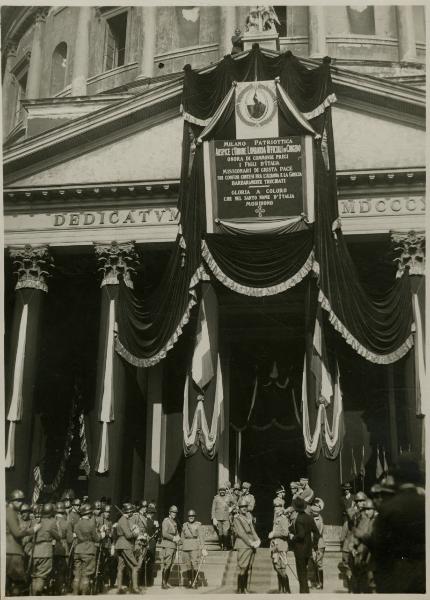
x,y
93,126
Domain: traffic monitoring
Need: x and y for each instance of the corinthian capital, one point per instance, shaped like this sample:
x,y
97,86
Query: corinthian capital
x,y
411,246
33,264
116,259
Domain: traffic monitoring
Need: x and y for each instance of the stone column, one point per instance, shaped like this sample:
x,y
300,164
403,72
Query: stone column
x,y
317,32
149,21
32,263
406,33
35,67
9,98
411,262
81,55
227,27
110,467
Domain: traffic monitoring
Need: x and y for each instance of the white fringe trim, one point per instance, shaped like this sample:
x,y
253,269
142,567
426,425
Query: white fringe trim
x,y
331,99
254,291
199,275
194,120
379,359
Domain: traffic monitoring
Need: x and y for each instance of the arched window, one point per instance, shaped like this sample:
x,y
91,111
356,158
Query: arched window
x,y
59,68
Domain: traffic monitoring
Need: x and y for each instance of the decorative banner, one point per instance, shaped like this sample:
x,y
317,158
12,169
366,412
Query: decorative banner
x,y
202,369
420,367
16,403
256,110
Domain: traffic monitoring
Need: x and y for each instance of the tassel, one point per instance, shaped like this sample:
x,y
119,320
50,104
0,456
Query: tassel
x,y
16,404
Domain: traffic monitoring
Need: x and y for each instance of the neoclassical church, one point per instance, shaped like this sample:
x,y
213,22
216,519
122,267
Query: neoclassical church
x,y
105,110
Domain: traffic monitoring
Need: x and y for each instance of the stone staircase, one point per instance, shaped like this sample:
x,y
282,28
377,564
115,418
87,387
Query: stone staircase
x,y
263,578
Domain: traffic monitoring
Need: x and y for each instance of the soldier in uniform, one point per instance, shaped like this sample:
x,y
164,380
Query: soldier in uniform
x,y
107,548
15,533
74,514
246,544
61,549
279,500
294,490
246,495
140,520
306,492
43,550
220,513
318,554
363,568
127,535
152,529
193,546
84,560
170,544
25,521
349,513
279,547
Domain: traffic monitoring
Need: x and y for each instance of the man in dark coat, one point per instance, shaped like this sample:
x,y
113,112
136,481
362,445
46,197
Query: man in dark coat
x,y
305,538
398,537
15,532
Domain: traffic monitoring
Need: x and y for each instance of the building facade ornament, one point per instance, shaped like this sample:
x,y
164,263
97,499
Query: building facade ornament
x,y
32,264
411,245
116,259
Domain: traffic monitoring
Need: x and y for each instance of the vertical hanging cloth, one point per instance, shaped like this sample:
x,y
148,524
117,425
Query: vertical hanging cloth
x,y
16,405
107,401
419,349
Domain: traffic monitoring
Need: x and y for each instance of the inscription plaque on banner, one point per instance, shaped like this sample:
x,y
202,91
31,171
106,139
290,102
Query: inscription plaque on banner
x,y
258,178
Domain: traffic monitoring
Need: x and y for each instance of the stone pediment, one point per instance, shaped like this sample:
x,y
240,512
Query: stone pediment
x,y
377,124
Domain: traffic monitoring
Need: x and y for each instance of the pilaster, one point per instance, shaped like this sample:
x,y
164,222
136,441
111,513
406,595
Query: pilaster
x,y
317,31
149,19
8,87
81,56
406,33
35,67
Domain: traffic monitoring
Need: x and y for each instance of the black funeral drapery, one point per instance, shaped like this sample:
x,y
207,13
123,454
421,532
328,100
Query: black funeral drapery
x,y
148,327
309,89
259,260
377,326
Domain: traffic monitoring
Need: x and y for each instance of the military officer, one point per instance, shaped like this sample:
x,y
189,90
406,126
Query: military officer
x,y
222,505
318,554
279,500
246,544
363,562
170,544
246,495
26,520
279,547
127,535
43,550
305,538
84,560
140,520
193,547
15,532
61,549
306,492
350,511
294,489
107,548
74,514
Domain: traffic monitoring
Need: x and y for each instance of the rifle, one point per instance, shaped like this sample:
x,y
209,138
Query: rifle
x,y
33,543
198,571
70,563
94,589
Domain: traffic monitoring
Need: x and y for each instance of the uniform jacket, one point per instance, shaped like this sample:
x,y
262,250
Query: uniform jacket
x,y
220,508
169,529
15,532
86,536
140,521
73,517
307,494
320,526
193,536
27,541
62,546
306,535
250,500
126,536
280,532
43,539
245,532
151,528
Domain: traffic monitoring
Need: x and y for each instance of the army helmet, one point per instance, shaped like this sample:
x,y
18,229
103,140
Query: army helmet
x,y
85,509
127,508
25,508
17,496
237,486
246,485
368,504
48,509
360,497
76,502
242,502
173,509
97,505
60,508
191,513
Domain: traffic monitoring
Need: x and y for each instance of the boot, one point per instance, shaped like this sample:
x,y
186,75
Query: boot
x,y
320,584
279,583
245,583
119,580
165,578
75,587
286,584
85,586
239,584
134,582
